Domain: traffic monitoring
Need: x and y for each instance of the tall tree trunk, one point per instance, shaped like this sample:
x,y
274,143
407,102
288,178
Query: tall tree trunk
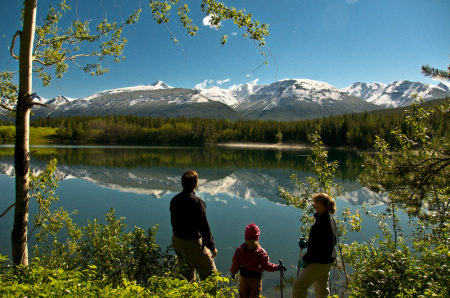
x,y
21,153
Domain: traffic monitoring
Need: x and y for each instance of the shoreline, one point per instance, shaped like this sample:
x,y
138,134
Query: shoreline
x,y
264,145
282,146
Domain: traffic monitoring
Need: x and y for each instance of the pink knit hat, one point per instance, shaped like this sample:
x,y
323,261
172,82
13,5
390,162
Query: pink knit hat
x,y
251,232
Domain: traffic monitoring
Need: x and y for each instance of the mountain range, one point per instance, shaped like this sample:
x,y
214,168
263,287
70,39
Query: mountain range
x,y
289,99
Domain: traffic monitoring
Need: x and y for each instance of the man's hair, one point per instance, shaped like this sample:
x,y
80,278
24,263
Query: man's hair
x,y
189,180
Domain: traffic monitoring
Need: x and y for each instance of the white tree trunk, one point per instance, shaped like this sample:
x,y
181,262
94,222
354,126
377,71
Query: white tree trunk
x,y
21,153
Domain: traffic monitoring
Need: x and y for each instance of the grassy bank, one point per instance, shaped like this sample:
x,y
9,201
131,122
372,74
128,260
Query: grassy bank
x,y
38,135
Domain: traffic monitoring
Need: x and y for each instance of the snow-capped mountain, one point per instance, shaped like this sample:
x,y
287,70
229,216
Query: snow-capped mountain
x,y
59,100
300,89
158,99
396,94
289,99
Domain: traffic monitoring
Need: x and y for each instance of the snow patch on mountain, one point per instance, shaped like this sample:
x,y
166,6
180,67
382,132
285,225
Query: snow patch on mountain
x,y
59,100
444,85
140,99
225,96
76,104
305,89
363,196
196,98
242,92
155,86
39,99
300,90
7,169
364,90
396,94
232,96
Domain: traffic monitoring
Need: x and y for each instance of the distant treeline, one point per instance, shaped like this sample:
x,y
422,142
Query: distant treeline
x,y
353,130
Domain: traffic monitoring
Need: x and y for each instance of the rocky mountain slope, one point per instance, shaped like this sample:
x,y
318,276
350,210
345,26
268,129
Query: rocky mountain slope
x,y
289,99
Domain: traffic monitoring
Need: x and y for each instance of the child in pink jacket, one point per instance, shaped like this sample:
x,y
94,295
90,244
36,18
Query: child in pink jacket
x,y
251,260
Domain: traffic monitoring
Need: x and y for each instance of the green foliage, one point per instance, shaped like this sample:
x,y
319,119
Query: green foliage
x,y
117,254
101,260
219,12
161,12
42,189
7,133
399,270
44,282
413,175
8,90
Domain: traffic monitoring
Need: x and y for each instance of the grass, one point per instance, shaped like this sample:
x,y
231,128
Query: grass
x,y
38,135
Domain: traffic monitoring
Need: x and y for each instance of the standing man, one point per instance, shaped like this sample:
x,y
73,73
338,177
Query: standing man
x,y
192,239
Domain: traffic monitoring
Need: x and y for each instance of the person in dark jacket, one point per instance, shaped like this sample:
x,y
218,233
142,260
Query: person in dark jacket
x,y
192,239
251,260
321,252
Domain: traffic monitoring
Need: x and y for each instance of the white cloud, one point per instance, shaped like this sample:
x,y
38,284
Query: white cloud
x,y
248,75
201,85
234,33
207,22
210,83
223,81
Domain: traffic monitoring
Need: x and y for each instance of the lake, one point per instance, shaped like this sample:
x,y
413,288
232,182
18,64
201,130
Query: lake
x,y
239,186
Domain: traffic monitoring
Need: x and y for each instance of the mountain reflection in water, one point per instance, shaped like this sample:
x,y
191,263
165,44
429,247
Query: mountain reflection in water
x,y
246,173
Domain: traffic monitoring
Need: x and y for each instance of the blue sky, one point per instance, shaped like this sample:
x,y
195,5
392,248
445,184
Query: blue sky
x,y
335,41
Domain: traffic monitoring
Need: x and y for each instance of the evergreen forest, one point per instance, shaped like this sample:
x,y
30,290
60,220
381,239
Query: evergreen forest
x,y
349,130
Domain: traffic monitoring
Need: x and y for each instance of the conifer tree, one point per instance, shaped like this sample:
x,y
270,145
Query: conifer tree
x,y
438,74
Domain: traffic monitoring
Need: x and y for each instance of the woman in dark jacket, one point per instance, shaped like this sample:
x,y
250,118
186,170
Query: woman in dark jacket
x,y
321,253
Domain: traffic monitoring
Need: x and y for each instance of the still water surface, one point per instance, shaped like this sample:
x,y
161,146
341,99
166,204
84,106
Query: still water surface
x,y
239,186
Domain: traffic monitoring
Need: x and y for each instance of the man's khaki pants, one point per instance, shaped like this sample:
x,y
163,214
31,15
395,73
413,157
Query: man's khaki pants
x,y
193,256
313,273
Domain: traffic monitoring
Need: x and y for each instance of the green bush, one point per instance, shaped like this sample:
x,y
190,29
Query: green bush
x,y
38,281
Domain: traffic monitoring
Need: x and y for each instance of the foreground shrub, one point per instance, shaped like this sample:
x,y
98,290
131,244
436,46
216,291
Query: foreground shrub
x,y
116,254
37,281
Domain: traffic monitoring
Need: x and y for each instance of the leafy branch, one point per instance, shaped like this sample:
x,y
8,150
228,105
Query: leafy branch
x,y
55,47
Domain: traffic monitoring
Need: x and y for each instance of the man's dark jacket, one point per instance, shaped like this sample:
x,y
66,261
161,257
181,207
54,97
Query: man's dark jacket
x,y
188,218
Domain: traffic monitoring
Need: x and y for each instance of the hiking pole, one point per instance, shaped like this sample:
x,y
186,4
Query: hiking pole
x,y
281,276
301,254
